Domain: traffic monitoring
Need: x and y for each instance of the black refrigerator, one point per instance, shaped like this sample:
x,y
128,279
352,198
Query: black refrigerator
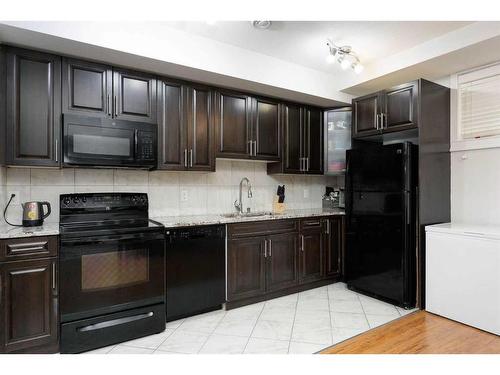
x,y
381,247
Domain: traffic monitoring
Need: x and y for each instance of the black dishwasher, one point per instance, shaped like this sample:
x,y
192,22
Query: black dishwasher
x,y
195,263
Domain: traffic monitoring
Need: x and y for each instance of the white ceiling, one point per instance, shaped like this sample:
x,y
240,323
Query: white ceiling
x,y
304,42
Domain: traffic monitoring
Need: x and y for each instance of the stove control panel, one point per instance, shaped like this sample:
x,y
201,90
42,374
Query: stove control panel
x,y
106,201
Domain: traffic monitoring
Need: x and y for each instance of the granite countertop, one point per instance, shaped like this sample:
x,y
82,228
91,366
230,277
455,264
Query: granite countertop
x,y
7,231
191,220
52,229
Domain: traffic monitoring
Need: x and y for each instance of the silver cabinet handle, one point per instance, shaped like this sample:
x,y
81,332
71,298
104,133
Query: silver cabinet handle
x,y
116,106
191,157
384,120
301,164
307,160
185,157
250,148
377,121
254,148
302,242
265,248
327,226
270,248
57,150
108,104
54,275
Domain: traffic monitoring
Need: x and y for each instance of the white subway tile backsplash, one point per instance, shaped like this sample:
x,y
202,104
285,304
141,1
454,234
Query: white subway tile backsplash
x,y
18,176
130,177
50,177
206,192
160,178
85,177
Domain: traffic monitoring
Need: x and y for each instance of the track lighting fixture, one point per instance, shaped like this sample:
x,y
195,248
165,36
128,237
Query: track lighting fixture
x,y
344,56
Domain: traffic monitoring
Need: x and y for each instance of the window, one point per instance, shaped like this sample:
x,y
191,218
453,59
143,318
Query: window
x,y
477,106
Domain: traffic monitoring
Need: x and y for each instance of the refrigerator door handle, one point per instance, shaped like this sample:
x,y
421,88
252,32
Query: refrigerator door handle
x,y
408,207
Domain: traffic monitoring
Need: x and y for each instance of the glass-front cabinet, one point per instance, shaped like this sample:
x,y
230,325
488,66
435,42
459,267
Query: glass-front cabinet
x,y
337,139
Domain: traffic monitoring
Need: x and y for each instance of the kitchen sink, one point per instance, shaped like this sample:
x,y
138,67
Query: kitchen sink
x,y
247,214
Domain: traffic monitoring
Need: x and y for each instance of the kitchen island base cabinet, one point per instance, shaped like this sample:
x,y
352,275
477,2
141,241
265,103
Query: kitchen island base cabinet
x,y
28,299
271,259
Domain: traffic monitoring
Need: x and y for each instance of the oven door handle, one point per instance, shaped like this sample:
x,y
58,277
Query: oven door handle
x,y
115,322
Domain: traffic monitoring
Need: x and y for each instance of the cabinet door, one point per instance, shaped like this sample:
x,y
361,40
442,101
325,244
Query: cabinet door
x,y
33,113
292,134
246,273
365,114
337,139
281,261
266,129
134,96
233,125
311,255
333,246
29,304
201,151
313,141
87,88
400,107
172,137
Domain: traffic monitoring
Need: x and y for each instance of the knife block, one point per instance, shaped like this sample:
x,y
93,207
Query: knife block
x,y
278,208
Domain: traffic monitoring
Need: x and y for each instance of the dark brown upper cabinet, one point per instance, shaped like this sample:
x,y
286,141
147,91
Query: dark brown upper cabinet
x,y
302,141
390,110
400,107
199,115
94,89
33,108
186,132
247,128
292,139
233,128
266,129
134,95
313,141
366,115
87,88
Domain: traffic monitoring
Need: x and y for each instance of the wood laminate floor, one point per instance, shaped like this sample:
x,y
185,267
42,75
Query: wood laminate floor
x,y
420,333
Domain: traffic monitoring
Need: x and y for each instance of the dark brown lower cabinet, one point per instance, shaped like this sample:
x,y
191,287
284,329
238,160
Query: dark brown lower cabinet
x,y
29,306
281,256
246,269
311,254
334,242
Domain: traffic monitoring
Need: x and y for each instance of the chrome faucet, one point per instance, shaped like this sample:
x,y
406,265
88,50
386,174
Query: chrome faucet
x,y
239,204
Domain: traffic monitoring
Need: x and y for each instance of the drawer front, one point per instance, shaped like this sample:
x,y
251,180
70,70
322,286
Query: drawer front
x,y
262,228
311,223
28,248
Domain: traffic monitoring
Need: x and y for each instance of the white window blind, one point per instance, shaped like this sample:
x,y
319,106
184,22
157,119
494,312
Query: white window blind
x,y
479,103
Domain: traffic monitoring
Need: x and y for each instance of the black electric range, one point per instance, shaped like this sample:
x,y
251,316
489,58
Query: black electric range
x,y
111,270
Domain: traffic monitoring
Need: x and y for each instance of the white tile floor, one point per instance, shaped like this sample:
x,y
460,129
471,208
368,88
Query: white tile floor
x,y
304,322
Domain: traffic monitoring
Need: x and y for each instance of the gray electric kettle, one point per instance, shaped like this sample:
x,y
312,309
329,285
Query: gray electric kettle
x,y
33,214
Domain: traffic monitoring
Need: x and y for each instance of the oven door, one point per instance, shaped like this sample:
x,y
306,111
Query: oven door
x,y
90,141
100,275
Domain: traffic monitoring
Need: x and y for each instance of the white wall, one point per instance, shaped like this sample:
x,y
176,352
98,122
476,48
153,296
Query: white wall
x,y
475,179
475,186
207,192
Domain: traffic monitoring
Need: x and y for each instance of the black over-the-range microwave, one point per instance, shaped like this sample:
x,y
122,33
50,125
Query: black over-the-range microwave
x,y
102,142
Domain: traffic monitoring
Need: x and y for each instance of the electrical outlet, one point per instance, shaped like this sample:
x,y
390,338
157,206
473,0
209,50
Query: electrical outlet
x,y
184,195
16,199
306,193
